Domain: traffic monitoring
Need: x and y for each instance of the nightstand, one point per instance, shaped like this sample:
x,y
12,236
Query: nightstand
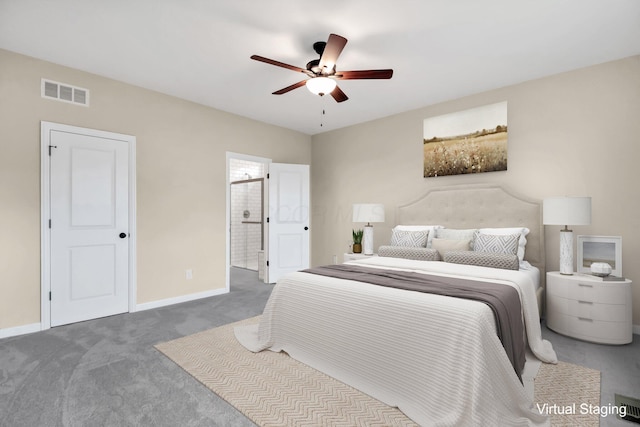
x,y
588,308
352,257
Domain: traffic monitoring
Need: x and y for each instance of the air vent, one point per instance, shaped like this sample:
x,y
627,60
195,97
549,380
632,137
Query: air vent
x,y
65,92
631,406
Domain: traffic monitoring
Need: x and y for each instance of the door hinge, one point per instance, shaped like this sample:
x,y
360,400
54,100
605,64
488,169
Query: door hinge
x,y
267,263
49,295
49,223
50,147
267,176
267,219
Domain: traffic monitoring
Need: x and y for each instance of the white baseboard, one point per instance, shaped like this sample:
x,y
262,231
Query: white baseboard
x,y
20,330
178,300
37,327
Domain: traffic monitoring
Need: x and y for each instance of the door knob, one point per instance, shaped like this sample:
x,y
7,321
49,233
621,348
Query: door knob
x,y
123,235
306,228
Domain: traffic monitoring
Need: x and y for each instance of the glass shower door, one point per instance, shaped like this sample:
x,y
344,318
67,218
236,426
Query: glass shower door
x,y
247,236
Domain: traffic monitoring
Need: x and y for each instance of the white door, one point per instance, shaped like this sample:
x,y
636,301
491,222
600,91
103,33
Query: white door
x,y
288,219
89,196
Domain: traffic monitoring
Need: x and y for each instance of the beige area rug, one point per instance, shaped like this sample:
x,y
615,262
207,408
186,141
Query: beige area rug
x,y
575,391
272,389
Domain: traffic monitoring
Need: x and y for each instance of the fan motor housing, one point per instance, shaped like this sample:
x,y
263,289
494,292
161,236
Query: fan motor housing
x,y
314,66
319,47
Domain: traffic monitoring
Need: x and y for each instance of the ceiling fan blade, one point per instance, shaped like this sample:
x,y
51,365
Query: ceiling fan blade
x,y
339,95
290,88
332,50
278,63
364,74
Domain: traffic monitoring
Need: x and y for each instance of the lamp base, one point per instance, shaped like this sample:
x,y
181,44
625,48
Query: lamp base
x,y
566,252
367,240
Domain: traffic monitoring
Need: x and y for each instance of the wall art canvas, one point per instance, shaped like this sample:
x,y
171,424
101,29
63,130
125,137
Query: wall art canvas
x,y
470,141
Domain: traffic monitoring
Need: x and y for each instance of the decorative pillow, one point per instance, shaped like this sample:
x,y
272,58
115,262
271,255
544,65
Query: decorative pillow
x,y
412,239
455,234
483,259
423,254
445,245
511,230
430,228
501,244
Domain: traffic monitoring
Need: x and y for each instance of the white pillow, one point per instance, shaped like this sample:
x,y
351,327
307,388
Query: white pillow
x,y
523,231
456,234
429,228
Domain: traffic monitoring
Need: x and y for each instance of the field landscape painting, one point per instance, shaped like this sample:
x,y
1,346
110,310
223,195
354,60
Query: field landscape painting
x,y
470,141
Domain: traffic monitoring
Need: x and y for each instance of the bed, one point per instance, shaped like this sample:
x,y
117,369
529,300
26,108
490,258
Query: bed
x,y
438,359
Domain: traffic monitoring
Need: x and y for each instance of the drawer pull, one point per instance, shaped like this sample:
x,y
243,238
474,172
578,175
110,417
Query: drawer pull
x,y
584,285
585,302
585,319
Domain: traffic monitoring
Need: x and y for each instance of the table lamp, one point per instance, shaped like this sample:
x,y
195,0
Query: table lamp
x,y
368,212
566,211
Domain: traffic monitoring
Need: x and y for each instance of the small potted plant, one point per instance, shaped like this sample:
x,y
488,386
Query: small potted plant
x,y
357,241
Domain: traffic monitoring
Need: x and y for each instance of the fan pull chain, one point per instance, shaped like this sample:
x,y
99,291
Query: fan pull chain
x,y
323,112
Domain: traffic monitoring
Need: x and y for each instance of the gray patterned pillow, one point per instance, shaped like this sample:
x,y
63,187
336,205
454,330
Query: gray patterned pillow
x,y
422,254
501,244
411,239
484,259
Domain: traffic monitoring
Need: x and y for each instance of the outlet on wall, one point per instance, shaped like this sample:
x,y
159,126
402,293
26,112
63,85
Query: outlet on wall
x,y
188,274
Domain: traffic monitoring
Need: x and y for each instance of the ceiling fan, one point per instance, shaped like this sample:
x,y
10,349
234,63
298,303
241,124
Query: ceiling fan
x,y
322,71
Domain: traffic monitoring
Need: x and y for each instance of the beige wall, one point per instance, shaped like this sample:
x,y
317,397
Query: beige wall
x,y
181,165
571,134
575,133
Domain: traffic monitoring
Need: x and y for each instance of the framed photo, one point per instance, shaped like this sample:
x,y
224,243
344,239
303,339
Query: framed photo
x,y
600,249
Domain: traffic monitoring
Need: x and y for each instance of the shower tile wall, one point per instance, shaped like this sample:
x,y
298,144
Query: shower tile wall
x,y
239,168
246,238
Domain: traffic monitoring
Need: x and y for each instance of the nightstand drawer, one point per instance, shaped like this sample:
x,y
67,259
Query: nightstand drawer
x,y
588,309
592,330
600,331
592,291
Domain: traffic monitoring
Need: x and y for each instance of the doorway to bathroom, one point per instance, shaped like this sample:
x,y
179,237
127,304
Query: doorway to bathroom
x,y
246,191
269,234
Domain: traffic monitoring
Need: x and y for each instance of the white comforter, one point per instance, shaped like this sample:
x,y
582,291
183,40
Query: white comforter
x,y
438,359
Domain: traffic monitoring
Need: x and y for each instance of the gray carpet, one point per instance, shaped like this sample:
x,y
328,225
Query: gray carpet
x,y
106,372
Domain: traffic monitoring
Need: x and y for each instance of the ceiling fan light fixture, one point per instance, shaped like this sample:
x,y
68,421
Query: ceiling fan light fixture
x,y
321,85
321,72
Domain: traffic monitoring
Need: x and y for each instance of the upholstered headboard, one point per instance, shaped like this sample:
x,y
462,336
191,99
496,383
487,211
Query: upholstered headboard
x,y
479,206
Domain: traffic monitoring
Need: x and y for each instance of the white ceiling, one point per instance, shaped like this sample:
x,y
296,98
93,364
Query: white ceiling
x,y
439,49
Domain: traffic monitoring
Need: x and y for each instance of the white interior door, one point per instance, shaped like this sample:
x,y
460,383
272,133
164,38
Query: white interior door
x,y
288,219
89,196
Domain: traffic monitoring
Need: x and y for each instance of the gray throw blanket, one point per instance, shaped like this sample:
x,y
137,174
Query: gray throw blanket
x,y
502,299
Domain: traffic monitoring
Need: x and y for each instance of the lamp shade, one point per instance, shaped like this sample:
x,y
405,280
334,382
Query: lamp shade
x,y
368,212
566,211
321,85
